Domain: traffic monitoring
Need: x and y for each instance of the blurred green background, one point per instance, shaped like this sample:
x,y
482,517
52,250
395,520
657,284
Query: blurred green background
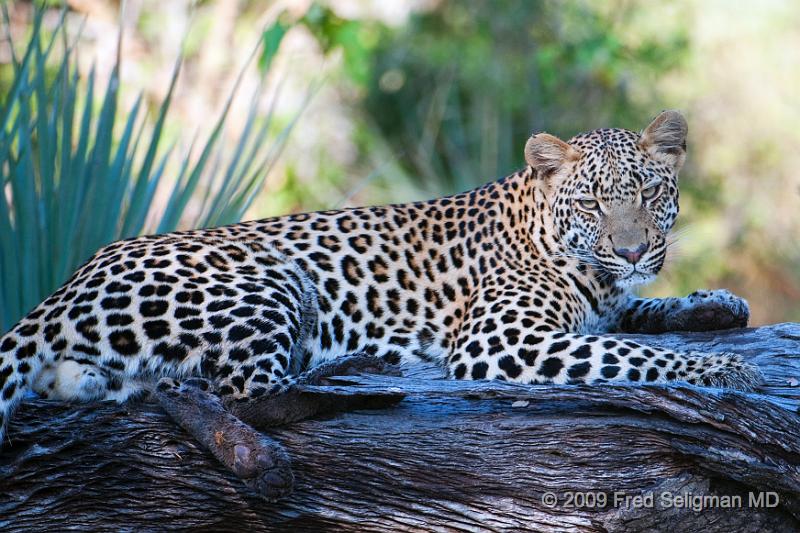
x,y
402,100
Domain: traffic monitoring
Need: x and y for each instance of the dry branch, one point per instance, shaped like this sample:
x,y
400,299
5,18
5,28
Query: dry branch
x,y
452,456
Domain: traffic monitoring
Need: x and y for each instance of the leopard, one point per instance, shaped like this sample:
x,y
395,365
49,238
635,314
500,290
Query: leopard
x,y
530,278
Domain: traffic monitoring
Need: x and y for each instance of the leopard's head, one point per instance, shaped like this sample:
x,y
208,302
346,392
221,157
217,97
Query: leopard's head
x,y
613,194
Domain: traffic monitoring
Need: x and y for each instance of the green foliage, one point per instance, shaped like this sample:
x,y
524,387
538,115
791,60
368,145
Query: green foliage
x,y
76,176
335,32
459,89
272,38
355,38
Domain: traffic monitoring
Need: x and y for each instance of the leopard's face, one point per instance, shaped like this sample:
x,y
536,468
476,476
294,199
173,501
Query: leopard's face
x,y
617,206
614,196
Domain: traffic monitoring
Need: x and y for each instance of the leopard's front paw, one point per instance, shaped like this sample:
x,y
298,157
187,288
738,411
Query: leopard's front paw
x,y
725,370
349,365
710,310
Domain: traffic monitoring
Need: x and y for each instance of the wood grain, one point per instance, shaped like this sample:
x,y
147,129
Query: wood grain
x,y
451,456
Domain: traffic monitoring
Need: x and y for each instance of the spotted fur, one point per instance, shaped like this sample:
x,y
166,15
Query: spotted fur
x,y
515,280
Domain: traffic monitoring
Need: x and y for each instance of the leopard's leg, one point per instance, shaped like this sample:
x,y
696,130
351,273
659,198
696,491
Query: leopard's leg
x,y
83,380
699,311
264,356
517,342
71,380
557,357
254,359
260,355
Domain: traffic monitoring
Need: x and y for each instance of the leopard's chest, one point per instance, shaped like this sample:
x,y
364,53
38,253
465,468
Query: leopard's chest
x,y
599,307
594,322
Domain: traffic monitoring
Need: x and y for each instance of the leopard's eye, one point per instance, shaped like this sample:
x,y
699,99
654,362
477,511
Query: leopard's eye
x,y
651,192
589,204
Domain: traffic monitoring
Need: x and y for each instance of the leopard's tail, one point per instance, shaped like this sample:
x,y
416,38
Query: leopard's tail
x,y
23,354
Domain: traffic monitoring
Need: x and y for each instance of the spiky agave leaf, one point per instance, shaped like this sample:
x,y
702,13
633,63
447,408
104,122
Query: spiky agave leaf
x,y
70,184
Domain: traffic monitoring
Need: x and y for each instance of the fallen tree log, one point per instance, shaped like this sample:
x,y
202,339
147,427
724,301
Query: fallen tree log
x,y
451,456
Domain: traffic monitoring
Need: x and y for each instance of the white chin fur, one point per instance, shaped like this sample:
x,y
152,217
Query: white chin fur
x,y
635,279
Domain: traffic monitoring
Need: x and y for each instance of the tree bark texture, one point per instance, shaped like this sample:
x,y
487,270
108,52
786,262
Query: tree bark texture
x,y
449,456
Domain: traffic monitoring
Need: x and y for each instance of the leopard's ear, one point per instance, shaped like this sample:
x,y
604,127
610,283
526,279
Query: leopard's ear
x,y
665,138
546,154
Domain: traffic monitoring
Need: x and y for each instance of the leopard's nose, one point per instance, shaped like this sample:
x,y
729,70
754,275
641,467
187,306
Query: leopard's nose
x,y
632,255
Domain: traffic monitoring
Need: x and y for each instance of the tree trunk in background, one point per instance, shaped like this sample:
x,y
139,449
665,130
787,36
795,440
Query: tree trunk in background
x,y
452,456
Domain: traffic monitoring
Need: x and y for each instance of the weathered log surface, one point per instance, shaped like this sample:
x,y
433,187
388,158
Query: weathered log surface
x,y
452,456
